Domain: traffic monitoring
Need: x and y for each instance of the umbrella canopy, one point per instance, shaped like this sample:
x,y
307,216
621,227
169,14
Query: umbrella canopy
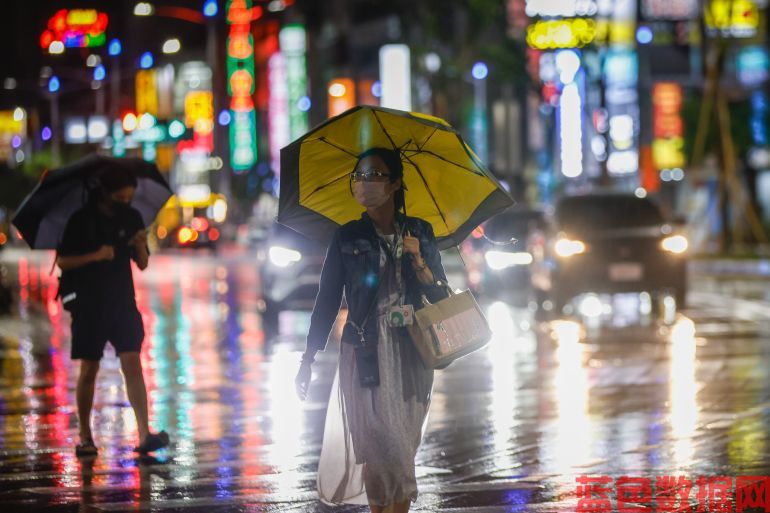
x,y
447,185
43,214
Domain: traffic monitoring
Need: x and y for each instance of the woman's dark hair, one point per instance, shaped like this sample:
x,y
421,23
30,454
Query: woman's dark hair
x,y
115,178
392,159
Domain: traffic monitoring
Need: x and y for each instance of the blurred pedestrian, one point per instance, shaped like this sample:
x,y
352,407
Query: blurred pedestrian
x,y
97,288
384,262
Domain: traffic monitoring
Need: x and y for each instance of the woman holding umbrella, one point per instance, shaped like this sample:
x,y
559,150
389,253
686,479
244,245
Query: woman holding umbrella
x,y
344,182
384,262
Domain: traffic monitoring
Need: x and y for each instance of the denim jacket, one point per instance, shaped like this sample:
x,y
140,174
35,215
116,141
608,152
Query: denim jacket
x,y
352,264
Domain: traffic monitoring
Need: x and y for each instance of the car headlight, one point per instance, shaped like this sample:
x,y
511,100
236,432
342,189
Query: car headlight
x,y
499,260
283,257
675,244
566,248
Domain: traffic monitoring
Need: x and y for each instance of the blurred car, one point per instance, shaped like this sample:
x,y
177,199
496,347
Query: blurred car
x,y
607,243
198,233
290,270
496,255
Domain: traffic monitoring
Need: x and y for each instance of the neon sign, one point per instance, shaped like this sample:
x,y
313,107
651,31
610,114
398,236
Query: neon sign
x,y
670,9
568,33
146,92
240,85
292,42
668,127
76,28
734,18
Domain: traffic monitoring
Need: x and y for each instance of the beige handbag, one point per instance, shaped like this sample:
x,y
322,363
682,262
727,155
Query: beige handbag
x,y
453,327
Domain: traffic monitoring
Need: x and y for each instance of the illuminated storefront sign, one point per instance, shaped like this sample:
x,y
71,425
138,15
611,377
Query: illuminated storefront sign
x,y
292,42
199,115
13,130
118,139
240,85
395,77
732,18
76,28
146,92
278,107
342,95
668,127
752,65
561,8
567,33
621,68
670,9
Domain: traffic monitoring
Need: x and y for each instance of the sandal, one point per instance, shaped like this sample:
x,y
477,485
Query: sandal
x,y
153,442
86,448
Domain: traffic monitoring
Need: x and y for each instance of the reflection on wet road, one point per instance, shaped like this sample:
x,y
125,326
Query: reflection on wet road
x,y
510,428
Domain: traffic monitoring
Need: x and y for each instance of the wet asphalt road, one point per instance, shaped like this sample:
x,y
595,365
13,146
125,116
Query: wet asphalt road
x,y
510,429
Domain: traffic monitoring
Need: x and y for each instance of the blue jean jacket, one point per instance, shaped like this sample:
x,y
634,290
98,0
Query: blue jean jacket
x,y
352,264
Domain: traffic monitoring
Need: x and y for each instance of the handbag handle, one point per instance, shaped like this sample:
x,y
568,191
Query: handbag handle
x,y
439,283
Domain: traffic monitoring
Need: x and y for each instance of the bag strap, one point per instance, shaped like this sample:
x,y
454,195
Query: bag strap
x,y
440,283
360,327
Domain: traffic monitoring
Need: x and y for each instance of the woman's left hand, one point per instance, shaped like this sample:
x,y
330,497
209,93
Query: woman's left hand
x,y
411,245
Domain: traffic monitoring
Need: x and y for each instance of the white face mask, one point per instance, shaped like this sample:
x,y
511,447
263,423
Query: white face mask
x,y
371,194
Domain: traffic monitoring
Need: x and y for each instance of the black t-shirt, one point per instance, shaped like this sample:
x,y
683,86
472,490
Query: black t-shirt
x,y
102,284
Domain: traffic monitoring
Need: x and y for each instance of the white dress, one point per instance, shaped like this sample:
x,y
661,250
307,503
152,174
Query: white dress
x,y
372,435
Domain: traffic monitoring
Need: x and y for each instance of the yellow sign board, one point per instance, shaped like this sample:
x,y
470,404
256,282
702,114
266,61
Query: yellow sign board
x,y
736,18
146,92
567,33
199,110
12,124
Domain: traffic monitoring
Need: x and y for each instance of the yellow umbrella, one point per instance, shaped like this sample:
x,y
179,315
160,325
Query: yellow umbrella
x,y
447,185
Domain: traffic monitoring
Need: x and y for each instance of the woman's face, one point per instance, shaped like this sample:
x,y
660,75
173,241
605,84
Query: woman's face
x,y
374,168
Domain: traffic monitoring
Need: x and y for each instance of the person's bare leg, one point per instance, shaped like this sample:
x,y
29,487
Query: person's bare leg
x,y
376,509
84,394
131,365
401,507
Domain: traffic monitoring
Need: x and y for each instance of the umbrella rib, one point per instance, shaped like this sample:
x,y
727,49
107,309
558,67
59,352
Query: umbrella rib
x,y
428,152
334,145
320,187
421,146
430,193
379,122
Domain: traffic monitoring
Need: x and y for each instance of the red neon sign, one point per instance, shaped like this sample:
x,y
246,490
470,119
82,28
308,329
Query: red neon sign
x,y
75,28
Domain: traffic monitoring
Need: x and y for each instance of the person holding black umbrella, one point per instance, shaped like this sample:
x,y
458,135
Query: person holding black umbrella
x,y
99,242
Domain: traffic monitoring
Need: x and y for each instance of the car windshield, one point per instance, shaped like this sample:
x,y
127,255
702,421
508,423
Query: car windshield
x,y
582,214
509,225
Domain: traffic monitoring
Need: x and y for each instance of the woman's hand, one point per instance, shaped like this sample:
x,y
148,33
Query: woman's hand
x,y
412,246
302,381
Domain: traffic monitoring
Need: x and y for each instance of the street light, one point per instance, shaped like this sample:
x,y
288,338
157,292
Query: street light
x,y
144,9
115,47
53,88
146,60
210,8
171,46
56,48
479,131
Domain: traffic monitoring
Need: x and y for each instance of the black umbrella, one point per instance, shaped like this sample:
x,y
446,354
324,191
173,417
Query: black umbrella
x,y
43,214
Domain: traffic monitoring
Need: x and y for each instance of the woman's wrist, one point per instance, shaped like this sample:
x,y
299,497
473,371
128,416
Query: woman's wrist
x,y
308,356
418,263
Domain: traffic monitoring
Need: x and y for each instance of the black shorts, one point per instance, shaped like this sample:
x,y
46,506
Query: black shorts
x,y
93,328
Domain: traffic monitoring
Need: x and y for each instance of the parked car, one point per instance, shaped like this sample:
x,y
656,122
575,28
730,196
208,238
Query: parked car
x,y
608,243
290,270
198,233
497,258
